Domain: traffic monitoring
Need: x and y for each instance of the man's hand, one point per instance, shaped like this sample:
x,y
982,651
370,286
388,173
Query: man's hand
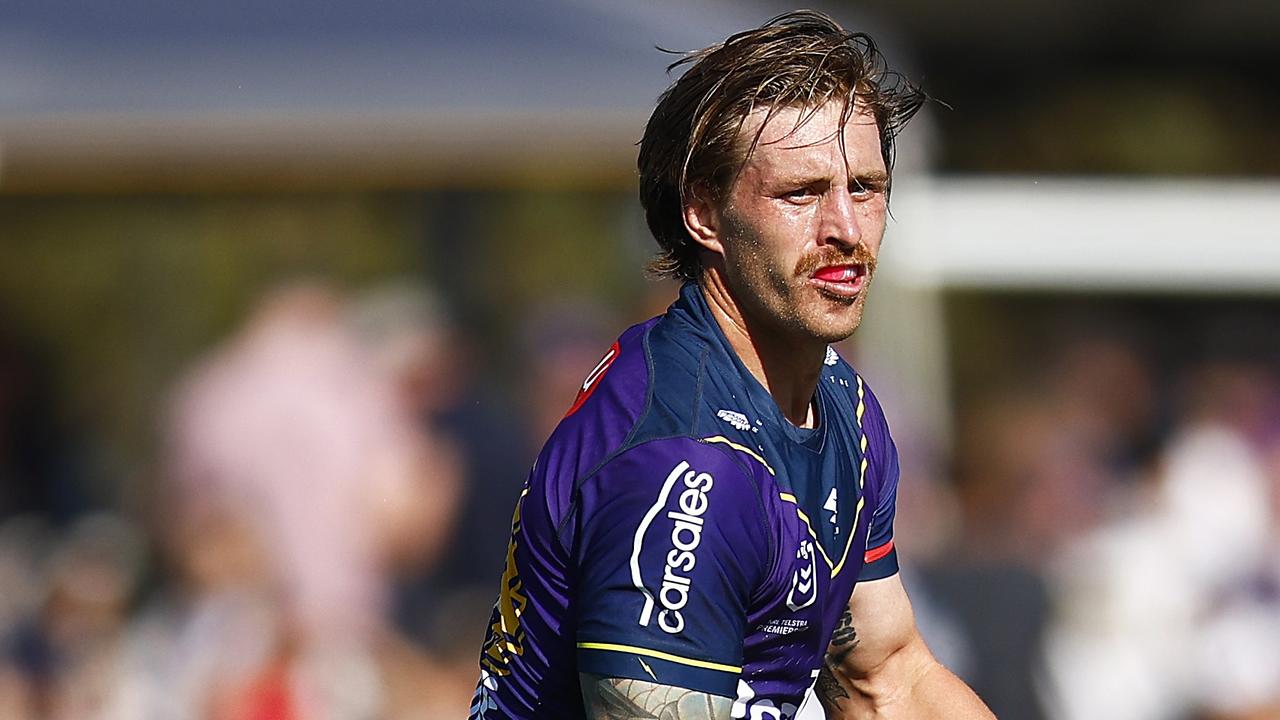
x,y
619,699
877,665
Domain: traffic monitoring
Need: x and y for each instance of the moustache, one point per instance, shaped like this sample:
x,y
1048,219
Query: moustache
x,y
814,261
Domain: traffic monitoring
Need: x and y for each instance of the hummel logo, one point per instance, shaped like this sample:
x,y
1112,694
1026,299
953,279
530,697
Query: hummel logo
x,y
803,581
736,419
832,358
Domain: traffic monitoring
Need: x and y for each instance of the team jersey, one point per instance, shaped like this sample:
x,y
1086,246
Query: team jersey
x,y
677,529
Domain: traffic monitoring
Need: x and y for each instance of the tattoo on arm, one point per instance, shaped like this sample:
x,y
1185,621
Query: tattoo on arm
x,y
619,699
843,641
828,688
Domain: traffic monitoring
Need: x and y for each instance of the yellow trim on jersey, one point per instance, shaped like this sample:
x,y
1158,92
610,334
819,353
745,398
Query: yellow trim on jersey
x,y
740,448
788,497
862,473
849,543
660,655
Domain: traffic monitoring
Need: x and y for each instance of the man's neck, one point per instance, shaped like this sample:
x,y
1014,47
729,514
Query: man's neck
x,y
788,369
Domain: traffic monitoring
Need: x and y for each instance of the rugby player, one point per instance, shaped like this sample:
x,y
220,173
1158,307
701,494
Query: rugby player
x,y
709,531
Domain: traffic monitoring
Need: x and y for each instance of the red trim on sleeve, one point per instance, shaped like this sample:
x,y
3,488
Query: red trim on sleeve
x,y
593,378
875,554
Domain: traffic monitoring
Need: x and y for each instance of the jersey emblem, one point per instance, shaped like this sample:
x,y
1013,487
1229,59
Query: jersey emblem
x,y
832,358
804,582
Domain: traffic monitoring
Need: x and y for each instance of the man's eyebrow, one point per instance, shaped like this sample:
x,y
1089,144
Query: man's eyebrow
x,y
870,176
803,179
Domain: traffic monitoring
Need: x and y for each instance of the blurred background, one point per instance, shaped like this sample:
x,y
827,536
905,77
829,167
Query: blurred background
x,y
291,293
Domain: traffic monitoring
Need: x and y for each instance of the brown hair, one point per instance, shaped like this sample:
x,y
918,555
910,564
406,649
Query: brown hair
x,y
799,59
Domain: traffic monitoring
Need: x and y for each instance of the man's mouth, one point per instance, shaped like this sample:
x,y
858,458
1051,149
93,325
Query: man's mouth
x,y
846,280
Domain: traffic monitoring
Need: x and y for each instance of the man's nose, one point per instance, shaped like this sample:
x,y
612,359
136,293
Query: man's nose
x,y
840,219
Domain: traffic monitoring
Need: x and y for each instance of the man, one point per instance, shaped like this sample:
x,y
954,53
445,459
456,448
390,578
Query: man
x,y
688,542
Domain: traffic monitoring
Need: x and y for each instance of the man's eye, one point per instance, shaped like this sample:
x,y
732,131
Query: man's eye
x,y
866,188
799,194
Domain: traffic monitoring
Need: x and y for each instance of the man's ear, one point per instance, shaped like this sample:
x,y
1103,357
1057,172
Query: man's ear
x,y
702,220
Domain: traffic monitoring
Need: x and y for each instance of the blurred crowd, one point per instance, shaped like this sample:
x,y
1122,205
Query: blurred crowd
x,y
331,508
334,484
1105,544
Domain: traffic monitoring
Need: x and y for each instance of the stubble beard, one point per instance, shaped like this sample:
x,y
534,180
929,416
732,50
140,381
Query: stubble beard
x,y
795,308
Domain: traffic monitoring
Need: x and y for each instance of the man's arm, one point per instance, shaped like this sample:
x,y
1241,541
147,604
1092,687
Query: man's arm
x,y
878,667
619,699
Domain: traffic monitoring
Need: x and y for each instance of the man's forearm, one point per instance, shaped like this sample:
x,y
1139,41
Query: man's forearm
x,y
922,691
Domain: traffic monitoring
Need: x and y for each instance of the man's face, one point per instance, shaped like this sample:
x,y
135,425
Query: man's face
x,y
800,229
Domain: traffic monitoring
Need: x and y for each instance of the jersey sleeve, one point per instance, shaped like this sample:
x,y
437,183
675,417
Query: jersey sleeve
x,y
881,558
671,546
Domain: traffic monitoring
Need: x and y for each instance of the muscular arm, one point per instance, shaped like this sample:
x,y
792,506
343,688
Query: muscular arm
x,y
878,667
618,699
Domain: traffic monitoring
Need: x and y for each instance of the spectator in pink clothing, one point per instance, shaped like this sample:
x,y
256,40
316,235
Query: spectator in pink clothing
x,y
299,479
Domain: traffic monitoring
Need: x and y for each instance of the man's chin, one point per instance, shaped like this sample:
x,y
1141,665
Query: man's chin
x,y
835,336
831,330
839,322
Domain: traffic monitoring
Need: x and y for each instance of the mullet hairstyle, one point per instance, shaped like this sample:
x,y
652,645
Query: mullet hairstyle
x,y
801,59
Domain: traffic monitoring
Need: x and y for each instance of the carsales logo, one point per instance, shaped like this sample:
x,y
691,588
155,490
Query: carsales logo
x,y
681,559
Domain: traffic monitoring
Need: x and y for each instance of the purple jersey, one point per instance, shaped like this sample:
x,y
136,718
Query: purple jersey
x,y
676,528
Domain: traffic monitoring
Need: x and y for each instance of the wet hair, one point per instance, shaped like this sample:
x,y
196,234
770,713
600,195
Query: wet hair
x,y
801,59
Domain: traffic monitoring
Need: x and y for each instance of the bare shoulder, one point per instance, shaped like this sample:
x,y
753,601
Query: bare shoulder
x,y
623,699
